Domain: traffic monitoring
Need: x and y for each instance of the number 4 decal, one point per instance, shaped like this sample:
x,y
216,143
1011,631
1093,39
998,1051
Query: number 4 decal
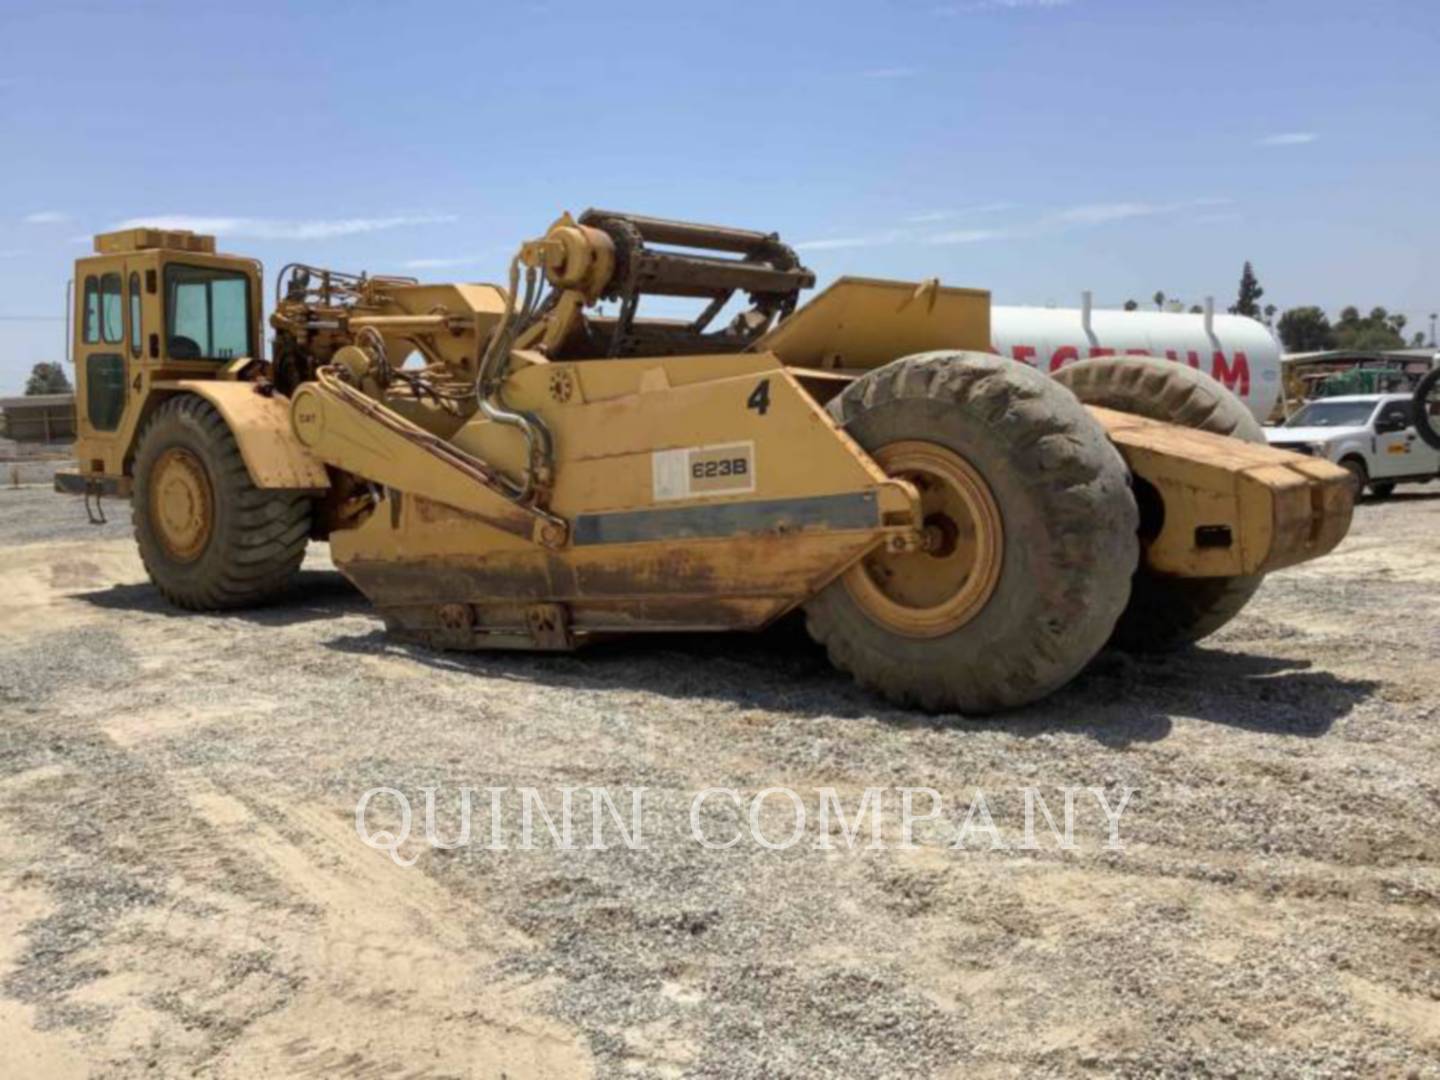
x,y
759,398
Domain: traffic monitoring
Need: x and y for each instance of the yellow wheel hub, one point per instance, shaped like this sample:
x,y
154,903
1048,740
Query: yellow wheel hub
x,y
182,505
933,591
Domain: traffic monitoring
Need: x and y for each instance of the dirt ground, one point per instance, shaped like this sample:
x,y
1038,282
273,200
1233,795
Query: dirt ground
x,y
183,891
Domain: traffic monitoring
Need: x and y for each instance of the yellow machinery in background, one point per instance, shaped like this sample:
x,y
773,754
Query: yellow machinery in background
x,y
539,464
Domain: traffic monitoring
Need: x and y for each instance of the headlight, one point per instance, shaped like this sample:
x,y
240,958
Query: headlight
x,y
1319,449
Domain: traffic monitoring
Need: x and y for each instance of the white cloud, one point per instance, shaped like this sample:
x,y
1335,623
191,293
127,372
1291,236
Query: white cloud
x,y
1106,213
443,263
899,236
269,229
891,73
998,5
878,239
1081,216
46,217
932,216
965,236
1288,138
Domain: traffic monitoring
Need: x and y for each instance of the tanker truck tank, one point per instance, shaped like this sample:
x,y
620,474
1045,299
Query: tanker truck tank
x,y
1239,352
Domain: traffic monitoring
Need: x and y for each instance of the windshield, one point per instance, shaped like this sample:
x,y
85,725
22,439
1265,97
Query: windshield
x,y
207,313
1333,414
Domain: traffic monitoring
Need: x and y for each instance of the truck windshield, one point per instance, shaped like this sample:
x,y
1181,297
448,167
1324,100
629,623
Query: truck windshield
x,y
207,313
1333,414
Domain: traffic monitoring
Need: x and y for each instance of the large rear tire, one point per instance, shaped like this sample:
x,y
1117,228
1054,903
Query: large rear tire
x,y
1031,527
209,538
1167,613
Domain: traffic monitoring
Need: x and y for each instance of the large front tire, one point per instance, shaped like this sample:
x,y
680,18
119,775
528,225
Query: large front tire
x,y
209,538
1032,537
1167,613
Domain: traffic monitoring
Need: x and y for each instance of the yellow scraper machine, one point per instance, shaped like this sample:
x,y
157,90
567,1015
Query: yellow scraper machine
x,y
540,464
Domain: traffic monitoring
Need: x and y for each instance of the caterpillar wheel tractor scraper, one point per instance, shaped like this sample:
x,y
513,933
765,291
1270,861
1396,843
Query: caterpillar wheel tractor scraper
x,y
540,464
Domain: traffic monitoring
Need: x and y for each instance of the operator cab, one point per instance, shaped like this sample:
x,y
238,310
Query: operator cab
x,y
151,307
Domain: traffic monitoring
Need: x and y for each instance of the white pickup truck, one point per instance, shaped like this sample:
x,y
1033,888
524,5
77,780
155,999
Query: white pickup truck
x,y
1372,435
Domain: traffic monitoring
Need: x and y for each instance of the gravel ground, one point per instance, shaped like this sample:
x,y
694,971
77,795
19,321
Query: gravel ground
x,y
183,891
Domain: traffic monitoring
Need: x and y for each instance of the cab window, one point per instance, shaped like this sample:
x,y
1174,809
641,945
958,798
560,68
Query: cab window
x,y
1332,414
207,313
91,332
112,327
1394,416
105,390
135,329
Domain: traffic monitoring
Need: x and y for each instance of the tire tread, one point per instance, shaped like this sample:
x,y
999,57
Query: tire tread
x,y
260,533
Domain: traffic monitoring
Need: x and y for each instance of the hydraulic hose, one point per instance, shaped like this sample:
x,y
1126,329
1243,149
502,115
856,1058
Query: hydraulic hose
x,y
490,378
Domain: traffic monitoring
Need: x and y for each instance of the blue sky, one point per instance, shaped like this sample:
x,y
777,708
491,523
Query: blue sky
x,y
1032,147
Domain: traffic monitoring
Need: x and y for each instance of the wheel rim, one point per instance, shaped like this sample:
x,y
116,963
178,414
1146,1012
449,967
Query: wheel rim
x,y
937,590
182,506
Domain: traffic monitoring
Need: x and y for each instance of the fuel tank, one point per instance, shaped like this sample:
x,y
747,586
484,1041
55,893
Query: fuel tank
x,y
1239,352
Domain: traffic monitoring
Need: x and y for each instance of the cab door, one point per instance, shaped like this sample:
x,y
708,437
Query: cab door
x,y
101,366
1399,450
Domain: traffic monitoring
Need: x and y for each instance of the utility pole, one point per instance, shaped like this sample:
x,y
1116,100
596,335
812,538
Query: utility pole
x,y
1433,317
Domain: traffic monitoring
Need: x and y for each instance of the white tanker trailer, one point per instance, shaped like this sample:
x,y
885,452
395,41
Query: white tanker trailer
x,y
1237,351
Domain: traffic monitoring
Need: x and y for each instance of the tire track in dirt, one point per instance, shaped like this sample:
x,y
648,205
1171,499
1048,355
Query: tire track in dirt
x,y
392,981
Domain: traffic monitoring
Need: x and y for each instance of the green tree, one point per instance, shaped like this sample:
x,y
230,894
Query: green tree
x,y
47,379
1247,303
1159,299
1306,329
1370,336
1196,309
1131,305
1375,332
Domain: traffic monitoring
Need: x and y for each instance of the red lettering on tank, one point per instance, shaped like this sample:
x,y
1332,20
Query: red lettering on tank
x,y
1097,350
1194,358
1024,353
1062,356
1234,376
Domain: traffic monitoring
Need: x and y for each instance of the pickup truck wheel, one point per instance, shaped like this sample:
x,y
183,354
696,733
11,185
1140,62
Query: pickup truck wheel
x,y
1359,473
1165,612
209,538
1030,527
1383,490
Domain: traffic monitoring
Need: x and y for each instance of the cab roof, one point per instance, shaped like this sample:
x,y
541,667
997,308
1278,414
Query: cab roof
x,y
144,239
